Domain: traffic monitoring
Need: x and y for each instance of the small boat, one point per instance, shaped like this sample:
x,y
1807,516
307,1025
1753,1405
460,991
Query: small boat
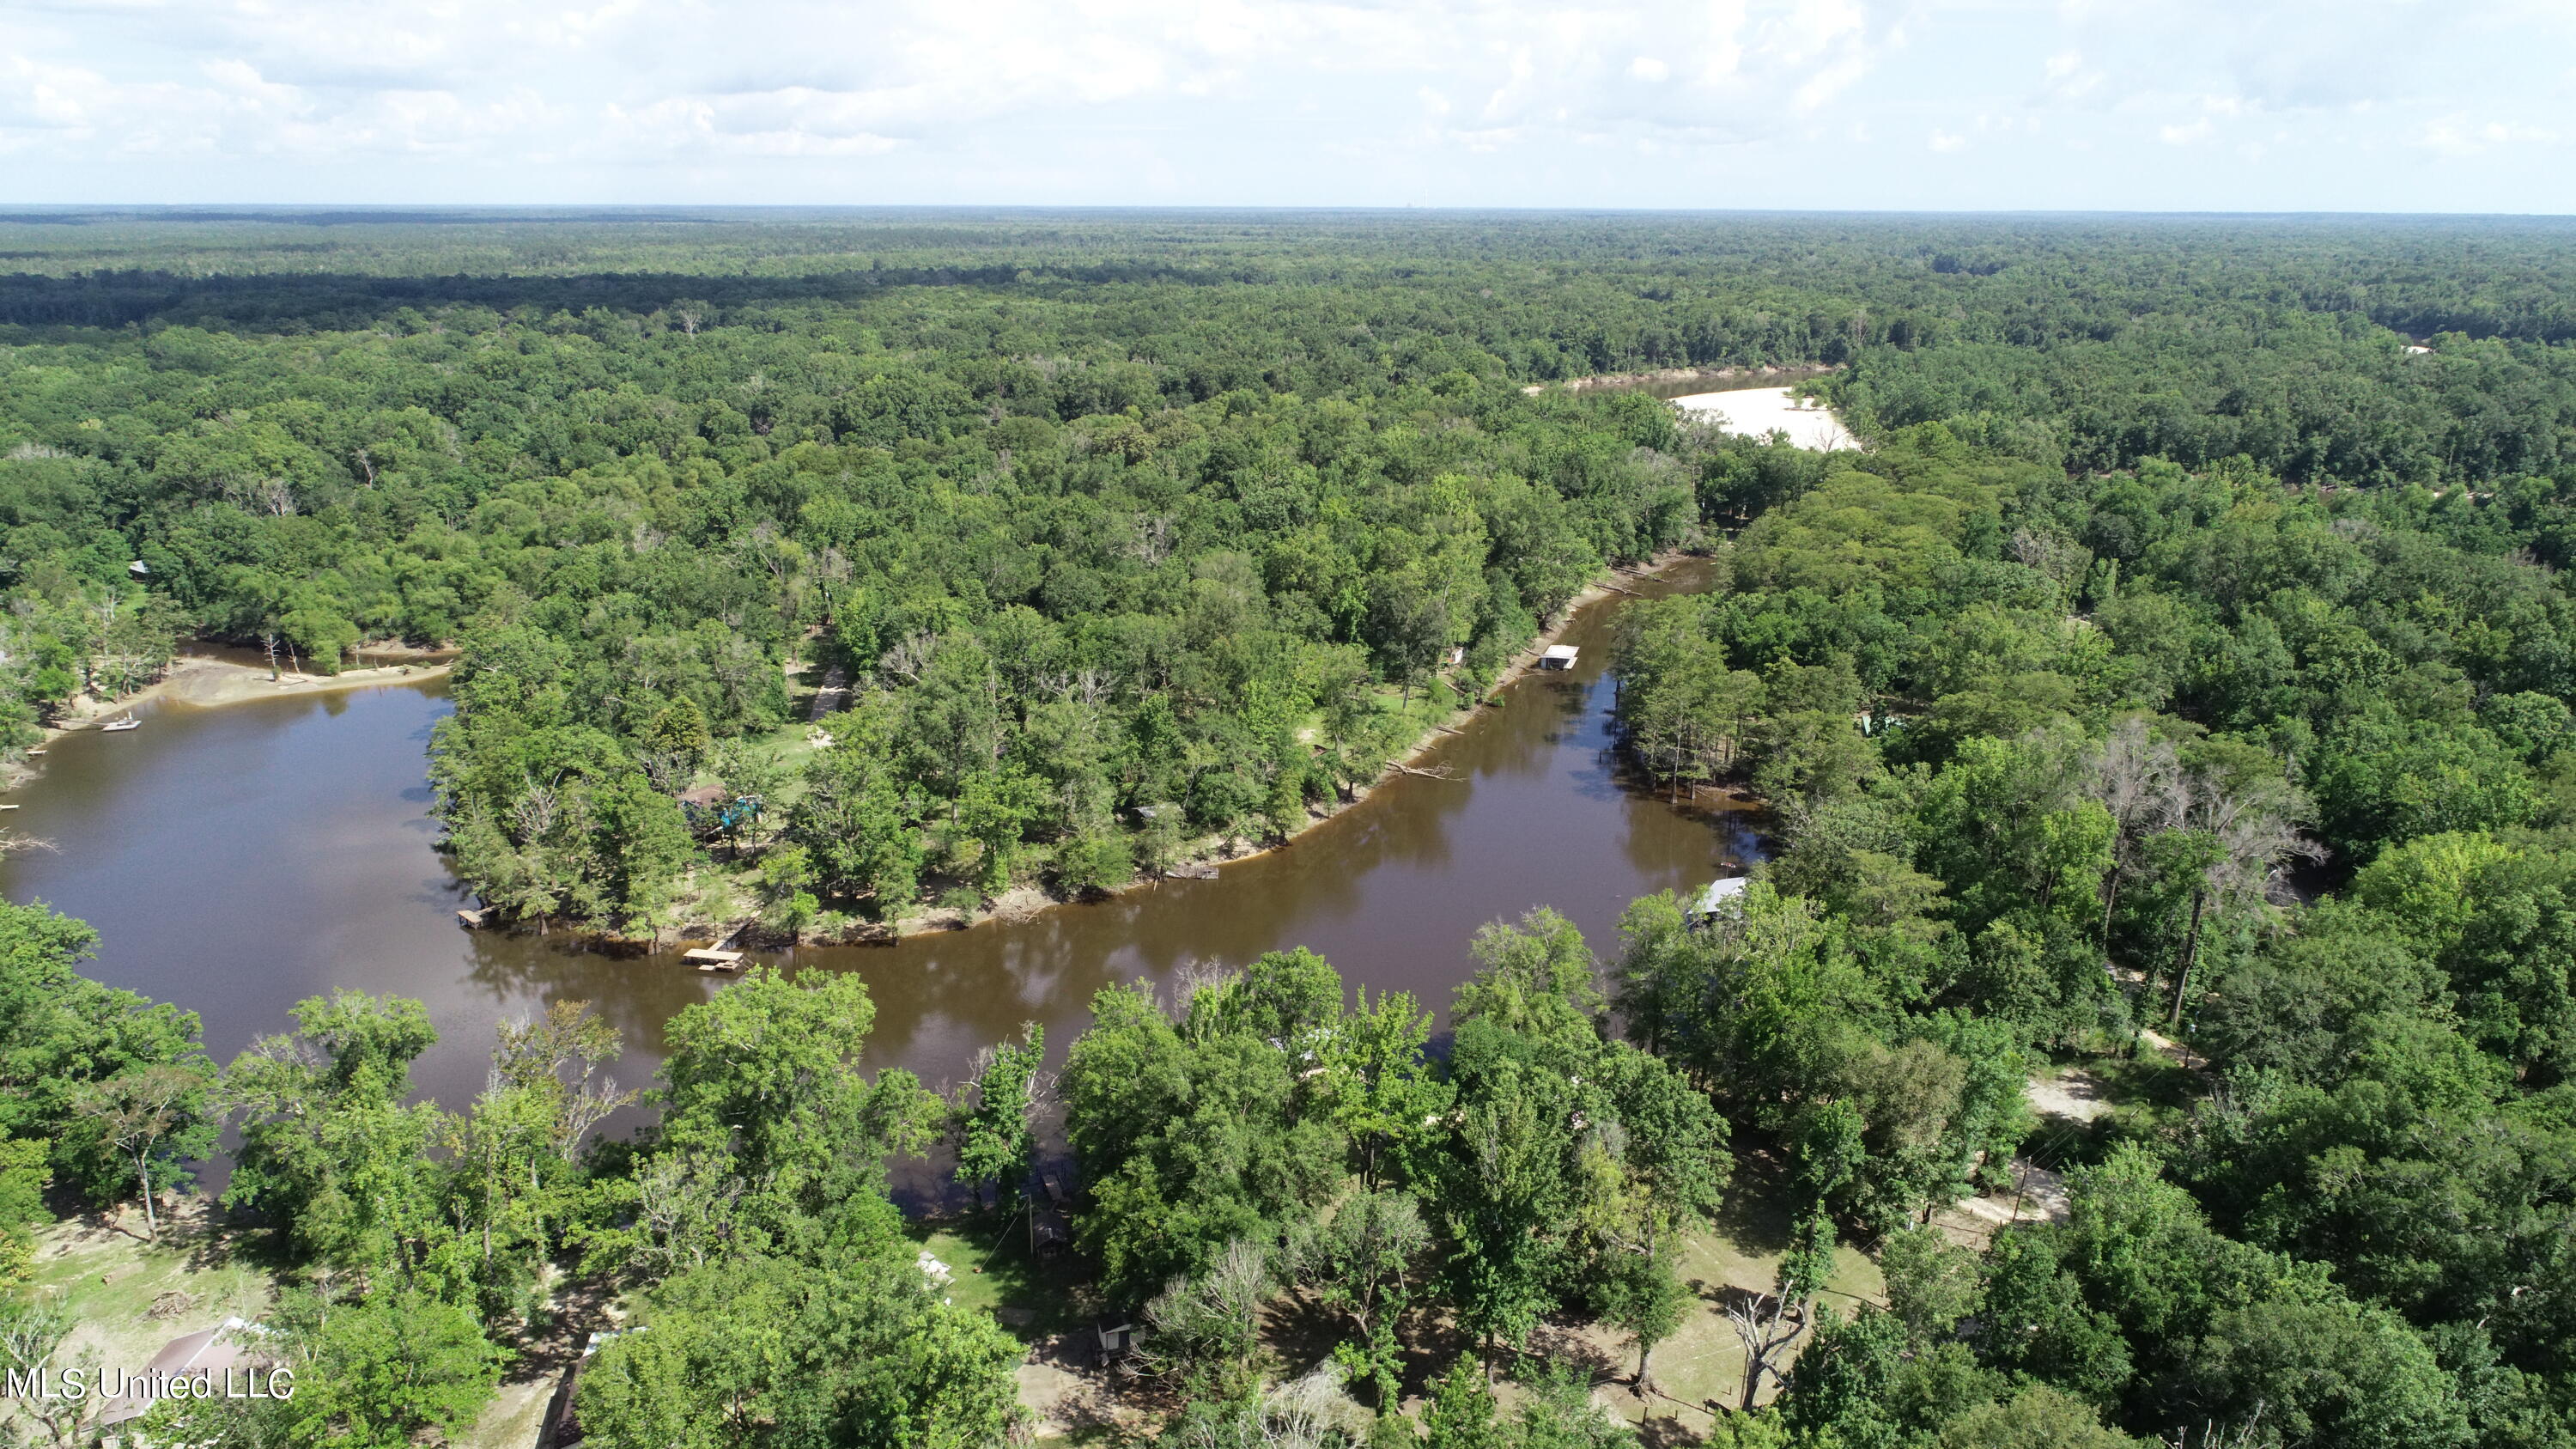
x,y
38,750
127,723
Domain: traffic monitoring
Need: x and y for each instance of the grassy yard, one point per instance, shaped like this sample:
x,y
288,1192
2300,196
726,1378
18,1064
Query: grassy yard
x,y
1703,1362
990,1269
131,1297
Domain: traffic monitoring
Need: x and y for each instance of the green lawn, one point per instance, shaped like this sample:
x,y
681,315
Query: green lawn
x,y
988,1258
112,1282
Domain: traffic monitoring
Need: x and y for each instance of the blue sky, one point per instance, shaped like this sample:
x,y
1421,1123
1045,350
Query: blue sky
x,y
2357,105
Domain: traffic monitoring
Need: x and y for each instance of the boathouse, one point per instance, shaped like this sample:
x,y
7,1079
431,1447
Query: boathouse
x,y
1557,656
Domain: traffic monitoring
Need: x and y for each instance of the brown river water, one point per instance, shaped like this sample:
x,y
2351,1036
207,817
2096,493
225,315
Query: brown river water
x,y
238,859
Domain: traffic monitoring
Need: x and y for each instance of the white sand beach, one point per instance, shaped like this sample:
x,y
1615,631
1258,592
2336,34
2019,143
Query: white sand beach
x,y
1754,411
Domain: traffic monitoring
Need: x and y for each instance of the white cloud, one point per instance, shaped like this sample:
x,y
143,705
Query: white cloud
x,y
2456,135
1714,102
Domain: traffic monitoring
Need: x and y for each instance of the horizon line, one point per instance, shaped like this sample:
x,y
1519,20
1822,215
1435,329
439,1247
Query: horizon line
x,y
225,210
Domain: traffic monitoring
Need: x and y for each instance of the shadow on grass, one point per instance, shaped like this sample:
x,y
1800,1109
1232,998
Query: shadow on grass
x,y
1759,1211
2149,1079
991,1267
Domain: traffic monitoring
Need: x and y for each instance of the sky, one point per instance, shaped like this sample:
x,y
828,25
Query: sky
x,y
2152,105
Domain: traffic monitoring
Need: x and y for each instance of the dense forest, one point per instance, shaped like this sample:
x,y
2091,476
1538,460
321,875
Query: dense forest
x,y
2175,689
1099,516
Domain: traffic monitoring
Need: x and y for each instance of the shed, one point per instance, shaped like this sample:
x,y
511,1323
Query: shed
x,y
1557,656
1049,1232
1118,1342
138,568
704,797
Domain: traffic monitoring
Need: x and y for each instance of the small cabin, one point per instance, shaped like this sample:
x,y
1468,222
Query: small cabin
x,y
713,807
1722,901
217,1352
1557,656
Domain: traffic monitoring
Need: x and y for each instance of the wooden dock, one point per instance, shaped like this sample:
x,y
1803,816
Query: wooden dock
x,y
473,919
706,959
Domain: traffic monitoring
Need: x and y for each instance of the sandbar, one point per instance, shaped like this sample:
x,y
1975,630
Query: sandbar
x,y
207,682
1755,411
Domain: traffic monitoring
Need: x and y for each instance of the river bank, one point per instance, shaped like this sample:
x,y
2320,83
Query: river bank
x,y
238,860
1022,902
203,682
1197,860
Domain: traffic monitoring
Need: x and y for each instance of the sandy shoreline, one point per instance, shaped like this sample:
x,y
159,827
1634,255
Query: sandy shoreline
x,y
207,683
203,683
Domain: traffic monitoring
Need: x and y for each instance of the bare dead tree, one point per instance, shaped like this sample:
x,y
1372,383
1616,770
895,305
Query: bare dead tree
x,y
1195,976
2138,779
2251,840
564,1051
1767,1324
909,657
